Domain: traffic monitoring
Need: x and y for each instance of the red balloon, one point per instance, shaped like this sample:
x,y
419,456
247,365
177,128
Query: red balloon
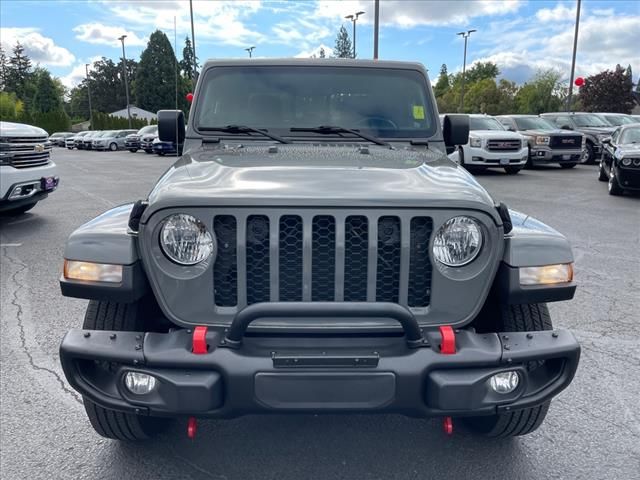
x,y
579,82
189,97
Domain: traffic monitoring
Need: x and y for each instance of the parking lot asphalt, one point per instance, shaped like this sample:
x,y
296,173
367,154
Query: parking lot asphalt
x,y
592,430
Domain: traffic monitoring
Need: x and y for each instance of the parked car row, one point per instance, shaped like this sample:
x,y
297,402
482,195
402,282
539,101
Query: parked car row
x,y
515,141
97,140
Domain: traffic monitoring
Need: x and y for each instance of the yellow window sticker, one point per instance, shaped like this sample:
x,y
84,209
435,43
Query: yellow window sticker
x,y
418,112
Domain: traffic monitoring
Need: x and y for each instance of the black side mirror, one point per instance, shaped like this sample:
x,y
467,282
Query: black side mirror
x,y
171,126
455,129
566,127
606,140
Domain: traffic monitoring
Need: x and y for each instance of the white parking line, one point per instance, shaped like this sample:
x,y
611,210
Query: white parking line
x,y
10,245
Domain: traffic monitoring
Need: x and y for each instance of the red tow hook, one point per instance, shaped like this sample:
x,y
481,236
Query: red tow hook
x,y
448,343
447,424
199,345
192,426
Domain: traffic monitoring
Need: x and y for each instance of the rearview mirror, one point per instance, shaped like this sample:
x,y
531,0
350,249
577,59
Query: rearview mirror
x,y
455,129
171,126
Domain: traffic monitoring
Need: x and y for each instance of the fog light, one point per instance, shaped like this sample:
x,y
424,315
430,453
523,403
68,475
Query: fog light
x,y
504,382
139,383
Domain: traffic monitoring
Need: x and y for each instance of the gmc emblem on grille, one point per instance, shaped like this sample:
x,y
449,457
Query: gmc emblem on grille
x,y
502,144
568,140
39,148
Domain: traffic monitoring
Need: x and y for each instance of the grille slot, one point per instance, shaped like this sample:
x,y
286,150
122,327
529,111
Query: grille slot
x,y
322,258
504,145
258,281
290,258
388,270
225,269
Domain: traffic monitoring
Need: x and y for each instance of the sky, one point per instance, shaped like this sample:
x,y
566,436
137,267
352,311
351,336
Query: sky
x,y
521,36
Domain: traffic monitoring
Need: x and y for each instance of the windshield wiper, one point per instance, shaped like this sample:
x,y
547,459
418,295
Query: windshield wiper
x,y
235,129
328,129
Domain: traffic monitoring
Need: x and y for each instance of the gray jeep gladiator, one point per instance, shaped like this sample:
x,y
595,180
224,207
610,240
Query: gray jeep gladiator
x,y
313,250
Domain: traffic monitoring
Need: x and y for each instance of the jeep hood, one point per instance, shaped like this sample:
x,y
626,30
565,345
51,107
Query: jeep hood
x,y
318,175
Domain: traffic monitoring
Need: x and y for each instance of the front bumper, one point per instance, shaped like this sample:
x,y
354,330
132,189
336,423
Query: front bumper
x,y
475,156
281,374
543,154
31,178
628,177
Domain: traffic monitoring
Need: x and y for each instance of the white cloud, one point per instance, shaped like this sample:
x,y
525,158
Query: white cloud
x,y
559,13
100,34
411,13
328,51
38,48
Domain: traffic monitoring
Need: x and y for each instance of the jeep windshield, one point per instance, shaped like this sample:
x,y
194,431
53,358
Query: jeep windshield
x,y
484,123
302,101
533,123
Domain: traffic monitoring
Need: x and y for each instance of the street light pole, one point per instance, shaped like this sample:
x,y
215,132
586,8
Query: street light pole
x,y
464,35
86,70
126,81
573,60
250,49
376,28
193,46
354,19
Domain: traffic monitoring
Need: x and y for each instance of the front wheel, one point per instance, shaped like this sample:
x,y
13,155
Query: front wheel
x,y
567,165
148,151
588,155
602,175
133,150
516,318
113,146
512,170
614,187
110,423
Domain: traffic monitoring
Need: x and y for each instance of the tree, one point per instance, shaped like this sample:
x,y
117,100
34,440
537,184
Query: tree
x,y
321,53
47,97
442,85
156,78
608,91
19,74
480,71
542,94
4,68
343,48
188,64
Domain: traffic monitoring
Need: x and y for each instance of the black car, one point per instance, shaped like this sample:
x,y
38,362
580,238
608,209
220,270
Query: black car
x,y
620,165
133,141
591,125
163,148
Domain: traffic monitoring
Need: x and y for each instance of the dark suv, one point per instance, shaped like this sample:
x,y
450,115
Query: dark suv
x,y
594,128
314,250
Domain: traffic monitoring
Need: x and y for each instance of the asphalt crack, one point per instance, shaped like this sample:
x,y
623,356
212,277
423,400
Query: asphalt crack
x,y
21,267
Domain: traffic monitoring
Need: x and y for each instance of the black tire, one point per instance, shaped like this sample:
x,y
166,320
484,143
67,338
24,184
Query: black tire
x,y
110,423
70,148
512,170
589,156
161,154
602,175
613,186
567,165
113,146
148,151
529,163
21,209
133,150
516,318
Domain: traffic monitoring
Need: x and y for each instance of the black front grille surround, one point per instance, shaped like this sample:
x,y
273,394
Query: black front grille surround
x,y
322,258
566,142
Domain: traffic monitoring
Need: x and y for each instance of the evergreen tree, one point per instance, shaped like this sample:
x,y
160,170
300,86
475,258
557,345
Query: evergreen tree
x,y
156,77
321,53
343,47
188,64
4,69
47,95
19,73
442,85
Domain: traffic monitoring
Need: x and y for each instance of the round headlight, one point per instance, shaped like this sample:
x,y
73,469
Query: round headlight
x,y
626,162
185,239
457,242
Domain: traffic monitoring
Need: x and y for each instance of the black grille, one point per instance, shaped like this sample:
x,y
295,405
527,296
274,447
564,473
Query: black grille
x,y
565,141
323,260
225,269
356,247
258,278
290,258
504,145
388,279
306,256
419,263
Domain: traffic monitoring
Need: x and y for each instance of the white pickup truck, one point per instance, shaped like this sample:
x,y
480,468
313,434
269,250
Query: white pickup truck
x,y
27,174
491,145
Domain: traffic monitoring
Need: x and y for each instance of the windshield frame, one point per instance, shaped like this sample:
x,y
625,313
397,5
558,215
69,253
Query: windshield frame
x,y
429,107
